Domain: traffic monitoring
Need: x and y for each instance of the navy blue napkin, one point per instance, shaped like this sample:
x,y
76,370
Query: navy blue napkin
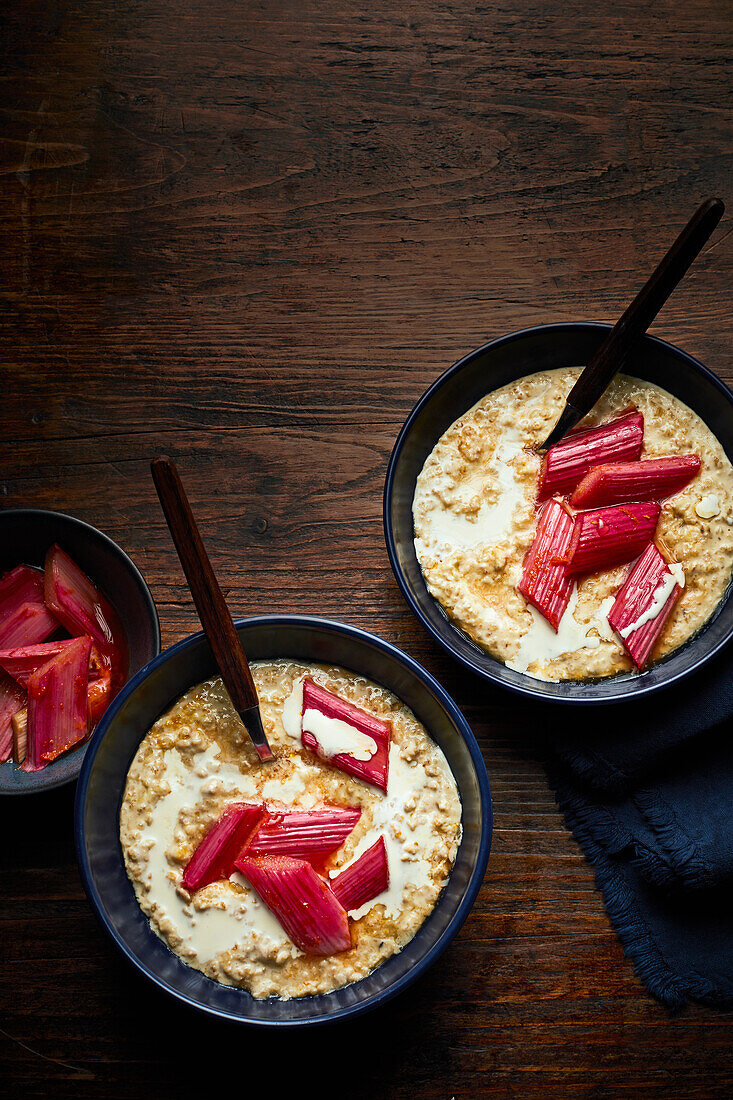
x,y
647,789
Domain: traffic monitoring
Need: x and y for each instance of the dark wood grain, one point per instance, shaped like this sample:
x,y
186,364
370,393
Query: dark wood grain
x,y
250,235
614,352
215,616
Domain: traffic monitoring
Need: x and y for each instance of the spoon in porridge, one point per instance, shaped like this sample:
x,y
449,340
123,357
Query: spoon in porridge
x,y
633,323
210,603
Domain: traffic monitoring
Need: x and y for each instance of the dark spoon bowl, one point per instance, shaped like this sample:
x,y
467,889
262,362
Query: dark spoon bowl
x,y
497,363
25,536
153,691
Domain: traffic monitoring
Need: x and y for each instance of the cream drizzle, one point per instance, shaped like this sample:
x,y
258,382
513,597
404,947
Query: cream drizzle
x,y
229,919
708,506
541,643
445,529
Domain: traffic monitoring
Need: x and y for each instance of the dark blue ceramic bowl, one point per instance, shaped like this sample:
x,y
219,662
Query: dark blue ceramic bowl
x,y
471,378
151,692
25,536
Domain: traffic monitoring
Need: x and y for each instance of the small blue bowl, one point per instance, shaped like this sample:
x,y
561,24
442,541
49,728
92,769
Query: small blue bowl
x,y
497,363
25,536
153,691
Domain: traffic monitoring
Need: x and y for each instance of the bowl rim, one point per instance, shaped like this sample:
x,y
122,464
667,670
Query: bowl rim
x,y
466,903
89,530
526,689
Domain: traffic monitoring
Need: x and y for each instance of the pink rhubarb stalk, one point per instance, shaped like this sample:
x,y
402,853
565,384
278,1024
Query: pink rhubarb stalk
x,y
568,461
306,907
545,583
304,833
651,479
12,700
99,695
644,603
82,609
364,879
57,705
21,661
215,856
607,537
24,617
375,769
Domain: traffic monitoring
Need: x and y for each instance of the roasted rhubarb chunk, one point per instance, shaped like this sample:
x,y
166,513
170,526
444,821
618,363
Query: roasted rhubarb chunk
x,y
364,879
24,617
215,856
568,461
21,661
345,736
607,537
57,705
644,603
306,834
99,695
82,609
651,479
12,700
545,582
306,907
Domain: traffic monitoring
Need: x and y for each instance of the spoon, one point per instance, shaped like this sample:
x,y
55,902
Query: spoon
x,y
210,604
615,349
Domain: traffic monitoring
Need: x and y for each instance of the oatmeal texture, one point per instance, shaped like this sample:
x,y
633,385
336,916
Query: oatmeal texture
x,y
197,759
474,516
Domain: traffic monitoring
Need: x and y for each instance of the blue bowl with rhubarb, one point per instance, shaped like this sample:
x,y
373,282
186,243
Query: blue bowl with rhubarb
x,y
298,891
66,648
594,572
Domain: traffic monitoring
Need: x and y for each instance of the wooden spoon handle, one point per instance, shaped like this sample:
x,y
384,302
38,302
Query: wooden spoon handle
x,y
207,595
614,350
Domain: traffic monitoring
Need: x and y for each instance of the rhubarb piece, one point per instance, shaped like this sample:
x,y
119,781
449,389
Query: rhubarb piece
x,y
12,699
644,603
568,461
82,609
364,879
215,856
57,705
545,583
21,661
30,623
99,695
607,537
24,617
309,911
306,834
19,723
344,735
19,586
651,479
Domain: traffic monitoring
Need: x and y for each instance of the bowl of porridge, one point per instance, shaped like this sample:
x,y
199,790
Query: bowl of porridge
x,y
303,890
596,572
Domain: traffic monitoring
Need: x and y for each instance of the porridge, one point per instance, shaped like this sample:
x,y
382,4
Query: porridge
x,y
359,805
479,528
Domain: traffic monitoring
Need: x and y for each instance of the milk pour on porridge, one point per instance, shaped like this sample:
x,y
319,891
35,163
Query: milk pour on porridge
x,y
475,517
197,760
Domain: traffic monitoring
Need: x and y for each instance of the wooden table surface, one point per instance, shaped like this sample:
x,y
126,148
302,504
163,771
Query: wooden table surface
x,y
249,235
